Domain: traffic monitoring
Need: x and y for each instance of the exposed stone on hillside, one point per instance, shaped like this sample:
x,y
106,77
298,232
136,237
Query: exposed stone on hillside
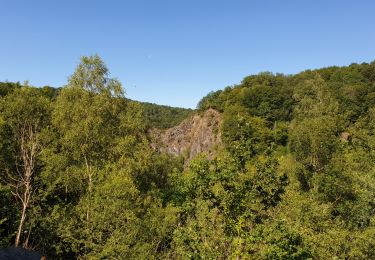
x,y
199,133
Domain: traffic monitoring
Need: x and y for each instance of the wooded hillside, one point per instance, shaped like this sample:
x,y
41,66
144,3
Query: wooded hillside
x,y
292,178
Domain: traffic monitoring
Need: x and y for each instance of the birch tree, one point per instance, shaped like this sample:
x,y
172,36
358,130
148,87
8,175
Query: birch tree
x,y
86,118
25,113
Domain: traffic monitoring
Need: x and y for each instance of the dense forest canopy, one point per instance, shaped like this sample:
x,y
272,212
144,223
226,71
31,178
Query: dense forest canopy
x,y
294,178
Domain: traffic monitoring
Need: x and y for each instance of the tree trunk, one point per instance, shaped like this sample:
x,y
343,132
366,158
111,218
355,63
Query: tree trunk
x,y
28,150
20,226
89,178
25,203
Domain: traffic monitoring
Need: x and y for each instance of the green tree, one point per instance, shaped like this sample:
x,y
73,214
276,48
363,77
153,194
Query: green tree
x,y
245,136
314,131
25,114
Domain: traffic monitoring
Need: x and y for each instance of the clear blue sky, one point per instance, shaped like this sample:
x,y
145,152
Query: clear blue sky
x,y
174,52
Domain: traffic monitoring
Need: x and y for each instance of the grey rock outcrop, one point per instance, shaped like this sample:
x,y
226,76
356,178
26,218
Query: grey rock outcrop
x,y
199,133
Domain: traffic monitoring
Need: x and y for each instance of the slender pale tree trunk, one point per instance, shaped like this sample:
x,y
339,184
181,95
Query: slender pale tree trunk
x,y
89,179
20,226
29,147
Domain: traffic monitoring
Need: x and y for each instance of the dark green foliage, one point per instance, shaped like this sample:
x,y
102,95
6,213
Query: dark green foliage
x,y
264,95
8,87
281,243
212,100
244,135
162,117
7,214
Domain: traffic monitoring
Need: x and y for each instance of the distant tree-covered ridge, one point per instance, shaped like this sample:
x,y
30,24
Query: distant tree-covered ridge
x,y
156,116
291,177
162,117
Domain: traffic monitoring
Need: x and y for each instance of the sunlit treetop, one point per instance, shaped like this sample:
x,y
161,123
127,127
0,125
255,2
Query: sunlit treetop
x,y
92,75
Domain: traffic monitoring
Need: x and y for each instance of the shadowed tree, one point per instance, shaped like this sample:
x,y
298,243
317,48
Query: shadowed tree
x,y
26,113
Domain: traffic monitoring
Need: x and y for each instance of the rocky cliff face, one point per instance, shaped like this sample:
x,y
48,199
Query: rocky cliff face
x,y
199,133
